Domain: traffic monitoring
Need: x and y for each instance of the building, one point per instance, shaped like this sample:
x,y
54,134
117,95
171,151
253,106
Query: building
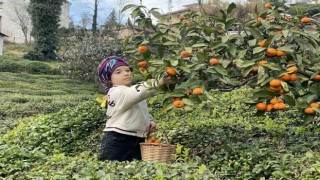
x,y
15,21
2,36
173,17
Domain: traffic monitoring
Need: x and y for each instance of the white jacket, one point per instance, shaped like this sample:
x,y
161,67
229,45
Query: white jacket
x,y
127,111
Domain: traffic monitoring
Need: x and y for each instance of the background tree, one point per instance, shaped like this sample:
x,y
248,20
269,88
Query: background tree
x,y
20,16
95,16
45,17
111,22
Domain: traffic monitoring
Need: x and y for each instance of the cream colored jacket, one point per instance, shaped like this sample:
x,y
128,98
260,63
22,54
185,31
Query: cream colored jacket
x,y
127,111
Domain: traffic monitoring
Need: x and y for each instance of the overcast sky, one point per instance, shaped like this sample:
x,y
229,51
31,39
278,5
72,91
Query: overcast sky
x,y
80,7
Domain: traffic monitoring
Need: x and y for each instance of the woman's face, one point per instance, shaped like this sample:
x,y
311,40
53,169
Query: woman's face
x,y
121,76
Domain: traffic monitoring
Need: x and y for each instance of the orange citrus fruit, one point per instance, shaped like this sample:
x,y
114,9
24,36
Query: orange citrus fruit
x,y
142,49
261,106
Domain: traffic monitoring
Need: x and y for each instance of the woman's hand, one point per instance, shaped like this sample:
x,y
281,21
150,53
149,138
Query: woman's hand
x,y
153,127
166,79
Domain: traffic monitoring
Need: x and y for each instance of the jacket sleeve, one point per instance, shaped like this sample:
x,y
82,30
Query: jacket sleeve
x,y
132,95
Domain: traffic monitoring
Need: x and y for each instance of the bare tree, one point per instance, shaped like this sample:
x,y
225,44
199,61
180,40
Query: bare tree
x,y
18,14
85,19
121,4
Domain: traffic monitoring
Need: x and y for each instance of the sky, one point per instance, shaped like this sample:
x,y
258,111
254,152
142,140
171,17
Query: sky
x,y
83,8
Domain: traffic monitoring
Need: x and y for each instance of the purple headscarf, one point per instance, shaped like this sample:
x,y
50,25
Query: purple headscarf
x,y
106,68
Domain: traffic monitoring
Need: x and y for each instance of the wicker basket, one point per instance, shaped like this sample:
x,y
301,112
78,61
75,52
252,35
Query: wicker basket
x,y
153,152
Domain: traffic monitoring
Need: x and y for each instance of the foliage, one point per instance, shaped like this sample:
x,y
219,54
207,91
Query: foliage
x,y
45,22
17,50
60,132
230,143
82,52
17,65
34,55
310,9
239,55
23,95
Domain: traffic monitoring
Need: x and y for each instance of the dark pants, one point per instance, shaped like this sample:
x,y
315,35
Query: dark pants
x,y
121,147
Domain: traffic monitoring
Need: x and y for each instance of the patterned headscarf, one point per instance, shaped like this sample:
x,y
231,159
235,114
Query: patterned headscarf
x,y
106,68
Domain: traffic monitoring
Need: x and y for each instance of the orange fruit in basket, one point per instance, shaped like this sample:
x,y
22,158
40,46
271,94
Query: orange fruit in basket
x,y
149,141
157,141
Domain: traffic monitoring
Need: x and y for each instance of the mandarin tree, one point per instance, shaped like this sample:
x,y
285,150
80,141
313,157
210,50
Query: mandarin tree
x,y
288,47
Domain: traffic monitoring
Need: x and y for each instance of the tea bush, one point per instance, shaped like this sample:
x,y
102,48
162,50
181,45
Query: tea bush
x,y
60,132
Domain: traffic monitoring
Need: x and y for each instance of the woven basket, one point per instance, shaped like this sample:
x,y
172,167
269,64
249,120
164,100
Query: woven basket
x,y
153,152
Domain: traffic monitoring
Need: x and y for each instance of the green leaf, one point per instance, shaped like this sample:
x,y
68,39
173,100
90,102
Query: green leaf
x,y
171,43
208,30
199,45
229,23
185,69
232,50
252,42
128,7
231,7
156,14
242,53
272,66
311,98
221,70
265,24
256,33
166,108
289,100
262,78
187,101
174,61
263,93
258,49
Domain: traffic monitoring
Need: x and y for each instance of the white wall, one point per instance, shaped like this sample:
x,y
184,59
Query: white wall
x,y
1,44
14,31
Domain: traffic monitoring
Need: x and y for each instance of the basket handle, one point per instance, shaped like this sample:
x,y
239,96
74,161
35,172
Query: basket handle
x,y
162,133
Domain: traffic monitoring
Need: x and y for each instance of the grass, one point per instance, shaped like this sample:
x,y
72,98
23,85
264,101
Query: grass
x,y
23,95
17,50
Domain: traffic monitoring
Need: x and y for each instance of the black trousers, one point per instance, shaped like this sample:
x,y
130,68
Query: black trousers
x,y
120,147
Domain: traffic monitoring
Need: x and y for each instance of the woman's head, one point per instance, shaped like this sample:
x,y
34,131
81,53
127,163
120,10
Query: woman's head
x,y
117,66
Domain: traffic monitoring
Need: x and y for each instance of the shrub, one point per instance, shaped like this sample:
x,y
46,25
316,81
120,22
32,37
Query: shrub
x,y
10,66
61,132
38,68
34,55
82,53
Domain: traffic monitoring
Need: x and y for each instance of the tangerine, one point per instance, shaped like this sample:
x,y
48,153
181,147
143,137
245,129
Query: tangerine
x,y
305,20
214,61
262,43
261,106
170,71
267,5
271,52
181,17
185,54
309,110
286,77
259,19
142,49
275,83
269,107
292,69
197,91
178,104
314,105
316,78
281,53
143,64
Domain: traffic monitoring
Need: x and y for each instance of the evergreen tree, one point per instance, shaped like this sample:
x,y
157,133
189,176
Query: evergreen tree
x,y
111,21
45,17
